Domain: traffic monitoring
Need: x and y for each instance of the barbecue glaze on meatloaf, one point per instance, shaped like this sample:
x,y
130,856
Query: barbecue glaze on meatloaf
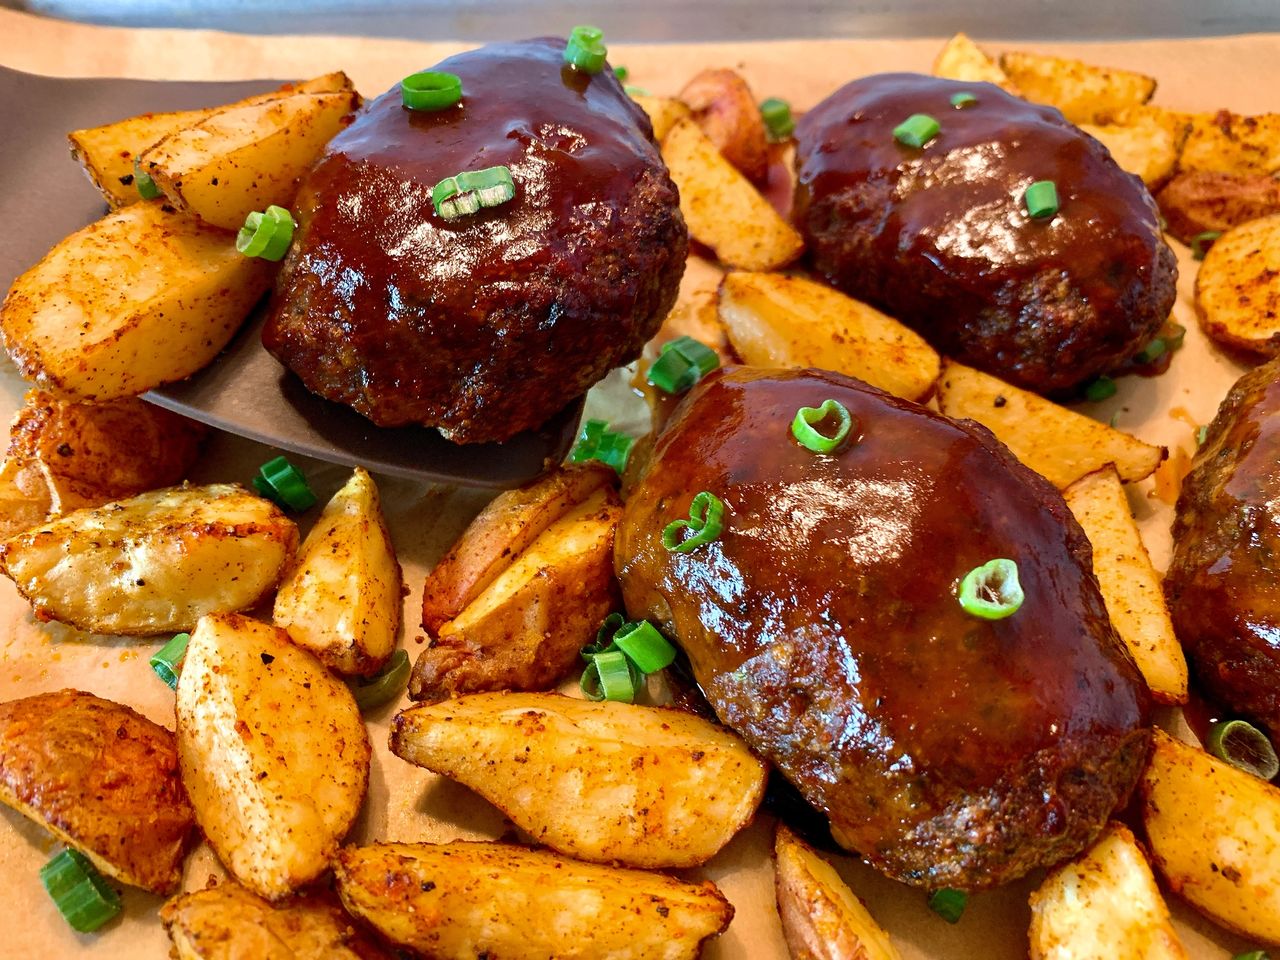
x,y
940,238
823,626
486,325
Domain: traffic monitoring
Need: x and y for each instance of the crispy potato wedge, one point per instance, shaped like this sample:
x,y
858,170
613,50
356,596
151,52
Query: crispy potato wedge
x,y
1226,142
1214,835
962,59
245,158
101,778
107,152
611,782
722,209
1196,203
458,901
154,563
663,112
227,922
1104,905
724,107
778,321
524,631
1059,444
1083,92
25,500
1143,140
1238,288
273,752
341,598
140,298
1130,585
821,917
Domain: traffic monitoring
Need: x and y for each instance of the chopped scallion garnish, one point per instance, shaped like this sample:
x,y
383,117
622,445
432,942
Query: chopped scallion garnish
x,y
267,234
1253,955
706,520
371,692
621,72
1100,388
644,646
1173,334
1041,199
609,676
430,90
1243,745
282,483
597,442
168,660
683,362
465,193
949,904
585,50
631,90
1201,243
991,591
1152,351
82,895
963,98
778,121
147,188
917,130
804,427
642,649
1202,432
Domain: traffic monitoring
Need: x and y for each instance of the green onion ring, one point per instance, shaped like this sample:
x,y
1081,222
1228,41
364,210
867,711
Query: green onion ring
x,y
644,646
917,130
430,90
167,662
597,442
778,121
585,49
948,904
609,676
963,98
804,426
1201,243
83,897
1041,199
706,520
281,482
147,188
383,686
682,363
1099,388
1245,747
991,591
267,234
604,636
466,193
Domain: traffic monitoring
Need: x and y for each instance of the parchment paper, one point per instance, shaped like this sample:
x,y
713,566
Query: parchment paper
x,y
405,803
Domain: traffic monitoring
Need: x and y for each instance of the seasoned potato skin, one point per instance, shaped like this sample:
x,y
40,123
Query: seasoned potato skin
x,y
1200,201
101,777
725,108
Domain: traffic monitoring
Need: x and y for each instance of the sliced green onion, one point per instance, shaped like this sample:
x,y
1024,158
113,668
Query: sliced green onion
x,y
917,130
621,73
281,482
1099,389
804,427
963,98
430,90
778,121
384,686
597,442
706,520
1201,243
82,896
1176,334
1152,351
1253,955
604,636
644,646
465,193
631,90
1243,745
168,661
949,904
267,234
991,591
1201,434
1041,199
147,188
585,50
683,362
609,677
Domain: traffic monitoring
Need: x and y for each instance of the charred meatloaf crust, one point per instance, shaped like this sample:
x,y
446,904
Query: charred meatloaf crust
x,y
1223,583
823,625
940,237
489,324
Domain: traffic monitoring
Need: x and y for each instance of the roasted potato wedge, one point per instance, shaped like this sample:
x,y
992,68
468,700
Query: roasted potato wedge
x,y
1226,142
142,297
273,752
1130,585
821,917
341,598
1143,140
1214,835
695,313
246,158
462,900
227,922
103,779
524,631
1104,905
962,59
778,321
1238,288
721,208
154,563
616,782
1083,92
724,107
107,152
1196,203
663,112
25,500
1059,444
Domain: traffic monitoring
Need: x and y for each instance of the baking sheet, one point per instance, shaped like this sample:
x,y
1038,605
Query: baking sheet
x,y
405,803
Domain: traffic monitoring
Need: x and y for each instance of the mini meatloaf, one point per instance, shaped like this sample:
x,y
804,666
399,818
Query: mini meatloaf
x,y
939,236
485,325
823,624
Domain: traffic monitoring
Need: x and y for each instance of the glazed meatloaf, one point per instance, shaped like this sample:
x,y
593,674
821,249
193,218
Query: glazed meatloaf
x,y
940,237
823,625
1223,583
485,325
